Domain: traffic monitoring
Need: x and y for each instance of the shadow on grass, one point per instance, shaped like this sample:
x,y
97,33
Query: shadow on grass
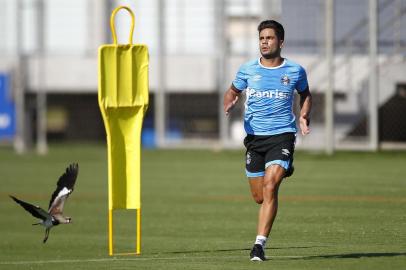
x,y
354,255
230,250
314,257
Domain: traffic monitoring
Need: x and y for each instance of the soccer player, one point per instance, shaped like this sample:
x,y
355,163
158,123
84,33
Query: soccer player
x,y
269,83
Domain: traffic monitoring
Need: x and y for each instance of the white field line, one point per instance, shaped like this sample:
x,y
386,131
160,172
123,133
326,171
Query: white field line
x,y
135,259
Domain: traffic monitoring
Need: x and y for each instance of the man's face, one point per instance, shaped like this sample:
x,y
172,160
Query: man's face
x,y
269,44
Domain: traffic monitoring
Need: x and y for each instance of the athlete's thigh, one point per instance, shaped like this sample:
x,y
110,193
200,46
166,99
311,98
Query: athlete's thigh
x,y
256,187
273,175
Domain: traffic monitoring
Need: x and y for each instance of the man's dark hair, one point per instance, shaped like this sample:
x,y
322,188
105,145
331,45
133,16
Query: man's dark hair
x,y
277,27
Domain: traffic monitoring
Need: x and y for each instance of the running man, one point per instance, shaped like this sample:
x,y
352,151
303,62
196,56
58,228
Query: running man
x,y
269,83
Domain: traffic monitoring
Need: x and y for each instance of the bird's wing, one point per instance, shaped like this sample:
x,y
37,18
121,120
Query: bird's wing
x,y
64,187
36,211
57,205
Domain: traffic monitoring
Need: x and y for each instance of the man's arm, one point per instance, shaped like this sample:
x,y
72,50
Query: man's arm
x,y
305,108
230,98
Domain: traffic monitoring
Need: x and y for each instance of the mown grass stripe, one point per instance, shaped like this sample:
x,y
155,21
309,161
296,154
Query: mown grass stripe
x,y
137,259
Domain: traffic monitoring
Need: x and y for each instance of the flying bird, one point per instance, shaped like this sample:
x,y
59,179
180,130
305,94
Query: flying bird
x,y
54,216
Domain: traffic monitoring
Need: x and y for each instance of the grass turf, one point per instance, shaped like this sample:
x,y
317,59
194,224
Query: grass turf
x,y
341,212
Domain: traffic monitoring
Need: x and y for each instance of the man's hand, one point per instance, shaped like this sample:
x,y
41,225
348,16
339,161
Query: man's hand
x,y
230,105
305,107
230,99
304,122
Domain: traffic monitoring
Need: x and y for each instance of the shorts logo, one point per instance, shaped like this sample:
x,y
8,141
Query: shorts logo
x,y
285,152
285,80
248,158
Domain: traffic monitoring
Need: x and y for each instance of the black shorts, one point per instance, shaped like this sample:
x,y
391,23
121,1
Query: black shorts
x,y
263,151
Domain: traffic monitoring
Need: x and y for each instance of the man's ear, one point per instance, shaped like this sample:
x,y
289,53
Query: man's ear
x,y
281,45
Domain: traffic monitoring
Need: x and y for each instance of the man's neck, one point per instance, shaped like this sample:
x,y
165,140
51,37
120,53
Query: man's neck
x,y
271,62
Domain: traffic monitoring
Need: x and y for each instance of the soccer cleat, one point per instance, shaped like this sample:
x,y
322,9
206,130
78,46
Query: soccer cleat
x,y
257,253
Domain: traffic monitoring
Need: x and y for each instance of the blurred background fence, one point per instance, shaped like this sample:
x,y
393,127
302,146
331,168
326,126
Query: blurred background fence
x,y
354,53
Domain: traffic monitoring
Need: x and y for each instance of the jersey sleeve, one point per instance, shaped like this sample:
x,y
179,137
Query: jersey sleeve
x,y
302,83
240,81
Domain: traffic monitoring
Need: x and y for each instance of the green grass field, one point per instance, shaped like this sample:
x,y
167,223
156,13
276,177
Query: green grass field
x,y
342,212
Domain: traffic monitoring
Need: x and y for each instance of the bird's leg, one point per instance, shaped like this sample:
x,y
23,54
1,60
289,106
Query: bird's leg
x,y
46,235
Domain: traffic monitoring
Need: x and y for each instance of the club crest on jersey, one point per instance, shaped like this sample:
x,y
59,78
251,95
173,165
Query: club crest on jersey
x,y
285,80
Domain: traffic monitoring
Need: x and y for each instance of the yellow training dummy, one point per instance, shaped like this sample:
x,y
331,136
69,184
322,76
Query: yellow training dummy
x,y
123,101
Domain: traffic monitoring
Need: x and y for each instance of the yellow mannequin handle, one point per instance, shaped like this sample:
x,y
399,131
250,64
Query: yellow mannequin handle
x,y
113,30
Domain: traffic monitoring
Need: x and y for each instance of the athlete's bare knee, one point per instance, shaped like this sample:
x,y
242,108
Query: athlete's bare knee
x,y
258,198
